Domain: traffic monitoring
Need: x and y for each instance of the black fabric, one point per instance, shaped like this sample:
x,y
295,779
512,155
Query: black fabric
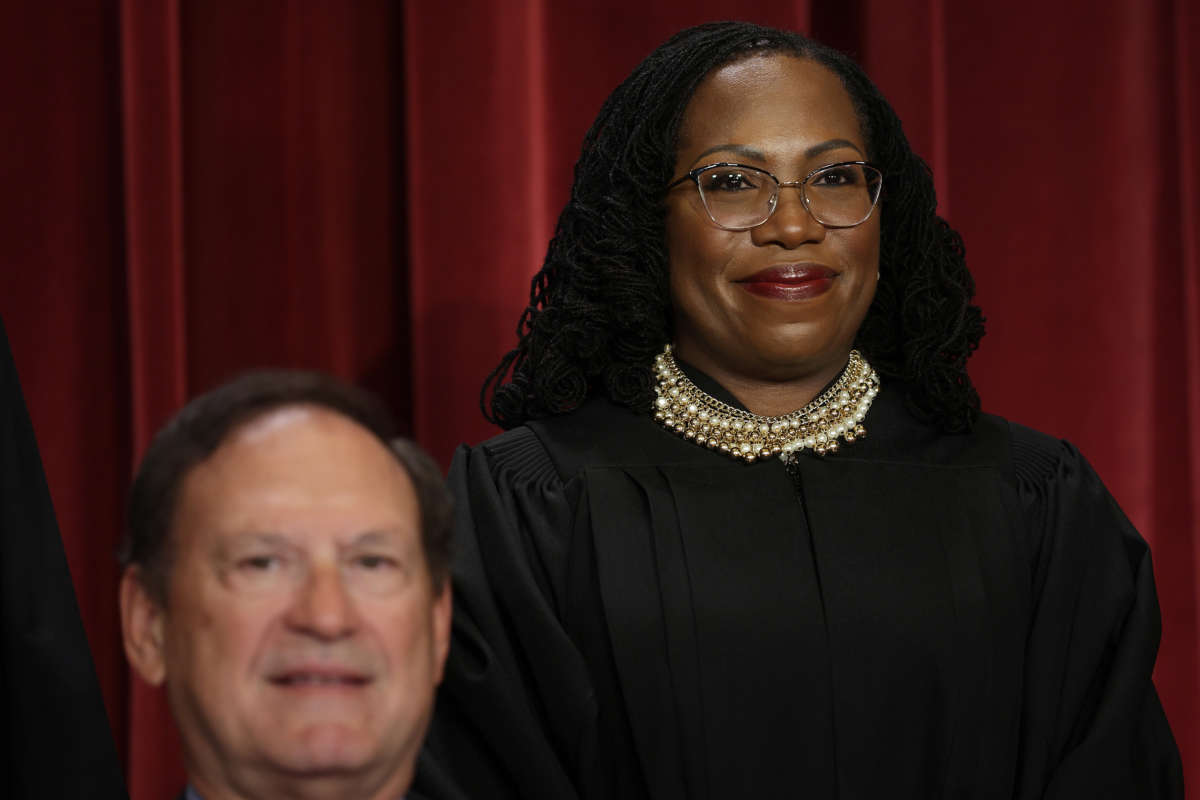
x,y
58,742
918,616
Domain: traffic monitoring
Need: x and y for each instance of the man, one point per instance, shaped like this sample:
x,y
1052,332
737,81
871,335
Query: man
x,y
286,579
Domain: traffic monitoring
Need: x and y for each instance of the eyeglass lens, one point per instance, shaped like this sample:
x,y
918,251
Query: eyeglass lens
x,y
840,195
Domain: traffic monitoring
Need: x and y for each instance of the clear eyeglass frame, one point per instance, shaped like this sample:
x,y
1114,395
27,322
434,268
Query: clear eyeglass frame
x,y
873,176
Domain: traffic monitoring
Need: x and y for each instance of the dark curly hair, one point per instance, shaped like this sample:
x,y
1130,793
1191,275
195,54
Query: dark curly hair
x,y
600,308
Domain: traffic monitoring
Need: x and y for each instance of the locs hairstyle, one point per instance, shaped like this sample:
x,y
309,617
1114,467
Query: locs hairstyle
x,y
600,308
196,432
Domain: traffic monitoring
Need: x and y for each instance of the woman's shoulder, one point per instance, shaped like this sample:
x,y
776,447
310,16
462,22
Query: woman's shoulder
x,y
1040,460
597,434
552,448
1062,498
514,456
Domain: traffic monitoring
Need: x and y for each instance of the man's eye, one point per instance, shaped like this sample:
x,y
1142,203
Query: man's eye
x,y
258,563
372,561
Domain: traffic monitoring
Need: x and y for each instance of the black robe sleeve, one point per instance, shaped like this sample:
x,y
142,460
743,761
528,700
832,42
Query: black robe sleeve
x,y
58,742
516,699
1092,724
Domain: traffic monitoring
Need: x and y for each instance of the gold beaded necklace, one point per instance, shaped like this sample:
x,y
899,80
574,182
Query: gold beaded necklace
x,y
836,414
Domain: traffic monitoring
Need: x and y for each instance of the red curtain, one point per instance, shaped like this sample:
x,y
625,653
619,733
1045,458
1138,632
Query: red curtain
x,y
191,189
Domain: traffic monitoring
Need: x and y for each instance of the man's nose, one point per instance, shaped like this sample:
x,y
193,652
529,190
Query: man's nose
x,y
323,607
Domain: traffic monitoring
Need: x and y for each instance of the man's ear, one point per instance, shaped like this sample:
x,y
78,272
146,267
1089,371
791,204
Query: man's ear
x,y
142,623
443,609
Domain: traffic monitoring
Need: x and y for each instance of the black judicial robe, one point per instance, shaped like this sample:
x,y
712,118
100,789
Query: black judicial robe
x,y
56,743
918,616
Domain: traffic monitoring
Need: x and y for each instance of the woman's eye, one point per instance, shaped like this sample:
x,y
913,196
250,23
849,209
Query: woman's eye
x,y
842,176
729,182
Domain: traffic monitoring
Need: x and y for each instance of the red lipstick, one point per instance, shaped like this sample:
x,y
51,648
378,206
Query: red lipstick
x,y
790,282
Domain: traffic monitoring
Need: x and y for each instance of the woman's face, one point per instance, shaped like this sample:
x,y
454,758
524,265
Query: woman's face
x,y
781,301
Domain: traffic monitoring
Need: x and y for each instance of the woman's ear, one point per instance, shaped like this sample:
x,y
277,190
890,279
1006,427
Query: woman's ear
x,y
142,620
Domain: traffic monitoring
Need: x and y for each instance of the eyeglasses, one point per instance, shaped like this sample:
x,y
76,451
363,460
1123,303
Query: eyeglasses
x,y
738,197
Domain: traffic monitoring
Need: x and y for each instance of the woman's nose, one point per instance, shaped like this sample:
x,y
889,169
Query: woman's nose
x,y
791,225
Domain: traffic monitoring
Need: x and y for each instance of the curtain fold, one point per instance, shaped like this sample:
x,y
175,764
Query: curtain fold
x,y
476,185
152,134
913,79
1178,671
193,189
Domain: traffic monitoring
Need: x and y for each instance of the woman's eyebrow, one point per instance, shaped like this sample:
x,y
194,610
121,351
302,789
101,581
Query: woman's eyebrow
x,y
832,144
749,152
739,149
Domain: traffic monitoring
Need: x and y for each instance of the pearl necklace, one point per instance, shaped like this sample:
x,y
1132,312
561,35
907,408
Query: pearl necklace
x,y
837,413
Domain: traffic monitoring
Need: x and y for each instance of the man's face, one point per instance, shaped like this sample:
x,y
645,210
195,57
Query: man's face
x,y
301,632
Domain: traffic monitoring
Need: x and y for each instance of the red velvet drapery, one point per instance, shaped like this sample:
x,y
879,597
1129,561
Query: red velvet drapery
x,y
189,189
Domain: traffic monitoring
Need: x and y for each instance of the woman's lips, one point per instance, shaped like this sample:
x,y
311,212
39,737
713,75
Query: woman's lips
x,y
795,282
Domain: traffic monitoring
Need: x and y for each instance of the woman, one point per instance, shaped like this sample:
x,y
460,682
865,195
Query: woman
x,y
747,534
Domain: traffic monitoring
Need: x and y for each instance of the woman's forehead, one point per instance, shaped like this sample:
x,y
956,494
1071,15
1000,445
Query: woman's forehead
x,y
776,103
